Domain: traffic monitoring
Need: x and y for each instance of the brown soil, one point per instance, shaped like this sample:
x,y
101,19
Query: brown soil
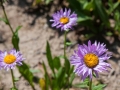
x,y
33,35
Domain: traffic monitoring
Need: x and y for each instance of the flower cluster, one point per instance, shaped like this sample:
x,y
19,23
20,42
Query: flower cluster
x,y
89,59
64,19
8,60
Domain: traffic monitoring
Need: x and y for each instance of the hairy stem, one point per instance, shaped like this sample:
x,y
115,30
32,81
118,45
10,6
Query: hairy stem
x,y
13,78
6,16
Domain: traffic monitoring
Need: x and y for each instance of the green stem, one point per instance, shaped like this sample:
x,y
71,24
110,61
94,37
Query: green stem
x,y
13,79
90,84
6,17
65,34
65,43
8,23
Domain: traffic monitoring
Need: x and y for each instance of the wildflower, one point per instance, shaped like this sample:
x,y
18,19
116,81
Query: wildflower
x,y
64,19
8,60
89,59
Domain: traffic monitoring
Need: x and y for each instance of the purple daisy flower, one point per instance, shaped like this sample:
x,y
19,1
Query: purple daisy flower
x,y
8,60
64,19
89,59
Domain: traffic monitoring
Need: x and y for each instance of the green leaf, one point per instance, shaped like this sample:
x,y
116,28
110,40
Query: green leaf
x,y
83,18
16,79
56,62
89,6
75,4
98,87
89,35
24,70
72,76
117,15
15,41
71,70
78,7
47,79
117,19
112,6
34,70
115,5
38,1
101,12
15,38
109,33
61,56
59,73
68,43
18,28
13,88
48,1
4,20
49,57
55,85
60,76
83,84
67,66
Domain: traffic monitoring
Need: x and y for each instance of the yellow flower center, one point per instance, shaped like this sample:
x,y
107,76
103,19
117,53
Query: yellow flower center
x,y
9,59
64,20
91,60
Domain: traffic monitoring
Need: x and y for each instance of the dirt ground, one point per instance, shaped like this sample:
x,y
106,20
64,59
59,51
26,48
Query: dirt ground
x,y
33,35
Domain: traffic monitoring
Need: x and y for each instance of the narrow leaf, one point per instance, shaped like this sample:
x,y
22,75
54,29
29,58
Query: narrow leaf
x,y
18,28
60,76
47,80
99,87
67,66
48,1
75,4
24,70
15,41
72,78
56,62
16,79
83,84
89,6
13,88
15,38
4,20
49,57
68,43
101,12
34,70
